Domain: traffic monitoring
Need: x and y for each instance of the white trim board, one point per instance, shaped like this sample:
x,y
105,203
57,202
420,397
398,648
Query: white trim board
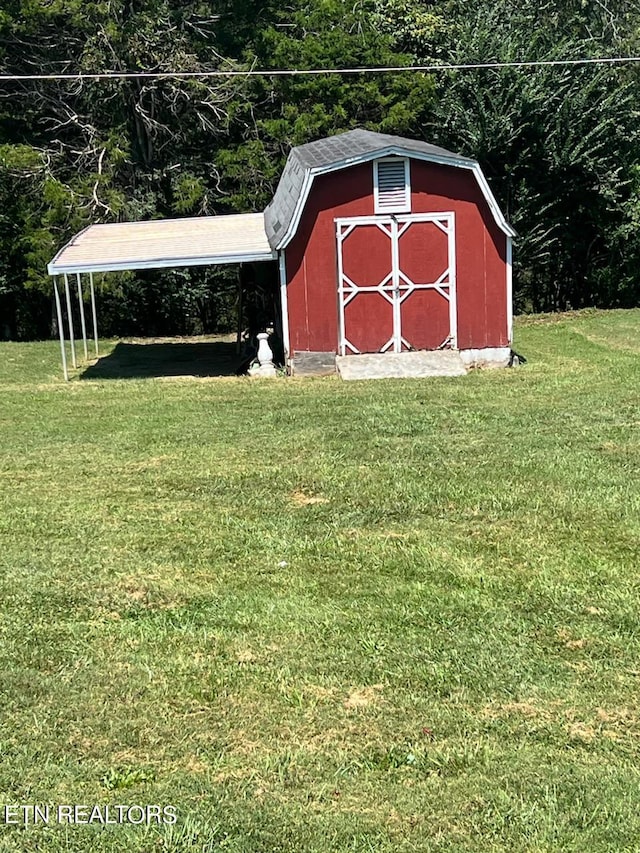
x,y
284,306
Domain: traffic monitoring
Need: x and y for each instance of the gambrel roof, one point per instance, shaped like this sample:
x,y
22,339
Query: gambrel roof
x,y
348,149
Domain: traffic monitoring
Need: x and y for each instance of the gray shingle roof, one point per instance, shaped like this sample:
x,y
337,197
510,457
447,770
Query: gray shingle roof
x,y
354,143
328,152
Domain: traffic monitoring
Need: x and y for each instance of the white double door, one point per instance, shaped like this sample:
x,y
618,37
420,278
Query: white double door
x,y
396,282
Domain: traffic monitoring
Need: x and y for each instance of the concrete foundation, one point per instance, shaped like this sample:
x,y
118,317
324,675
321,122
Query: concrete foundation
x,y
399,365
313,364
488,357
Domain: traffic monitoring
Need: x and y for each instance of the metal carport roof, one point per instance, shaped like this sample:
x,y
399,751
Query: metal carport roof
x,y
163,243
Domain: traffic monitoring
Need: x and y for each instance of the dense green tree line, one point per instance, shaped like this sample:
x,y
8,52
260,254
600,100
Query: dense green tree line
x,y
558,144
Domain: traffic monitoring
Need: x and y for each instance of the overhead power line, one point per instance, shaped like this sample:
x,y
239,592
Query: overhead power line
x,y
294,72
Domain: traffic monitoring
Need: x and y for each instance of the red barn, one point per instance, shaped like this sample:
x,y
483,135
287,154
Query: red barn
x,y
389,244
383,245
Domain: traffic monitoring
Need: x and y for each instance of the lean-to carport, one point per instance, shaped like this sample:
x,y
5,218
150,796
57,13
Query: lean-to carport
x,y
156,244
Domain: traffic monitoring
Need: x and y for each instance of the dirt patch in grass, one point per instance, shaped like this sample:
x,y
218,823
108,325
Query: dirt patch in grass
x,y
581,732
569,641
150,464
363,697
299,498
246,656
526,709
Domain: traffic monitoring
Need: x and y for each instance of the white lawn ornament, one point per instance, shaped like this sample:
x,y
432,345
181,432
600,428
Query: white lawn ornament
x,y
265,356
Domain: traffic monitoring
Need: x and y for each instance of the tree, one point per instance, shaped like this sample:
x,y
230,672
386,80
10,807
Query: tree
x,y
134,149
558,144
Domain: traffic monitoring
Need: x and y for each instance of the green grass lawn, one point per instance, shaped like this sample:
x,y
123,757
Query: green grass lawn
x,y
321,616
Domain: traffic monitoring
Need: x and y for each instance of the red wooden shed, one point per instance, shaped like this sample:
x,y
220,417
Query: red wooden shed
x,y
383,245
388,244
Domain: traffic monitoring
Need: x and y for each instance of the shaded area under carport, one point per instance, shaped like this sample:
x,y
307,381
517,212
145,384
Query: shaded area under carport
x,y
145,360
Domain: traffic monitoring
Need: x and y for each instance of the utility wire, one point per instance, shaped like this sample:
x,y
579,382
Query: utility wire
x,y
294,72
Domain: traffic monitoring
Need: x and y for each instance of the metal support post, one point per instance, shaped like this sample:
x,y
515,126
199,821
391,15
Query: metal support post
x,y
83,322
60,329
93,312
72,340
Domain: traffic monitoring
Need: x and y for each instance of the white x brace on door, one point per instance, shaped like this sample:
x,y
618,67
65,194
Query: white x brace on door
x,y
390,268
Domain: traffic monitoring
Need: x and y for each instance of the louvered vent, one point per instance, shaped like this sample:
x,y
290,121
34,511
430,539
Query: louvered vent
x,y
392,186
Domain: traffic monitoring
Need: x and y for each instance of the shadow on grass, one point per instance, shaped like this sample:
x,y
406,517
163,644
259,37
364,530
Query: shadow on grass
x,y
139,360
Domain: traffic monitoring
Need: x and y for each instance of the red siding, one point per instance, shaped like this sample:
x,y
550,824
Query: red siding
x,y
311,261
480,251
